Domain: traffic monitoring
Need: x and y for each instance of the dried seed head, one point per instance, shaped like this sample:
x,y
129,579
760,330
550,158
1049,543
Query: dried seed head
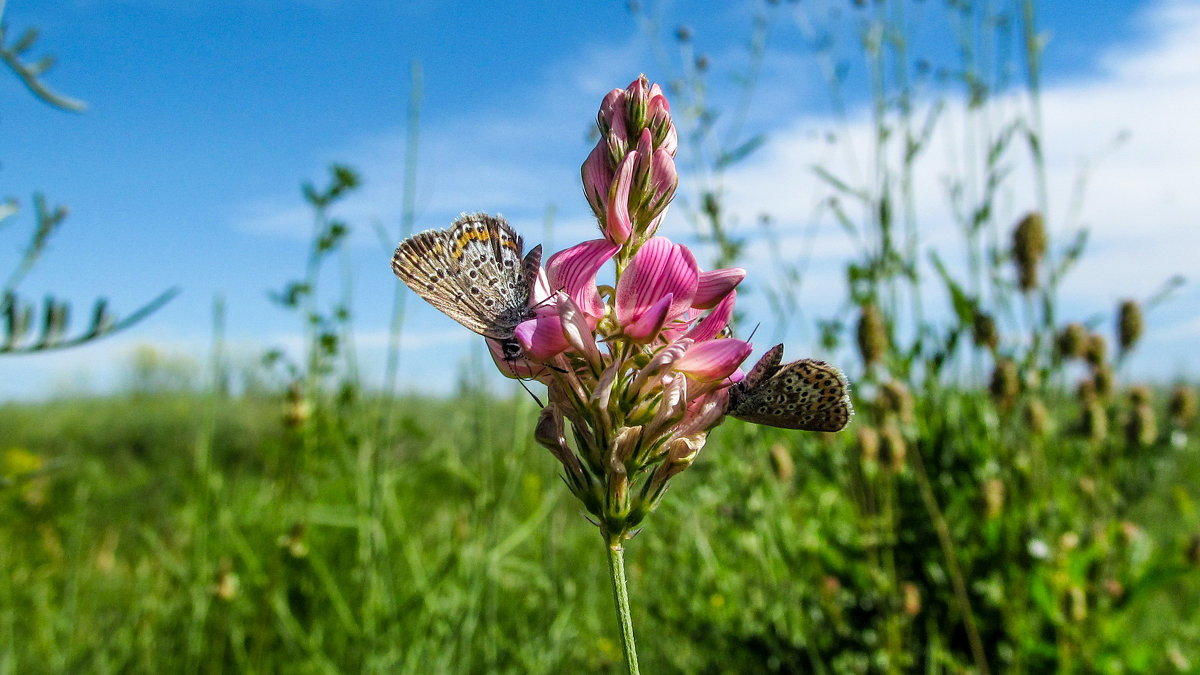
x,y
1183,405
1086,391
1106,381
993,497
892,449
983,331
1140,395
1072,341
1141,429
912,598
1037,416
872,335
1129,324
868,444
1095,422
1028,249
896,399
1005,383
781,463
1095,349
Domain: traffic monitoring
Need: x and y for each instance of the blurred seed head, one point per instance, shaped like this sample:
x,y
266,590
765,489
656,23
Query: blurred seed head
x,y
892,448
1095,349
781,463
1072,341
1085,393
868,444
984,333
1028,249
1095,421
1129,324
993,497
1140,395
896,399
1141,429
1037,416
1005,384
1183,405
1193,550
1079,609
912,598
1106,381
872,335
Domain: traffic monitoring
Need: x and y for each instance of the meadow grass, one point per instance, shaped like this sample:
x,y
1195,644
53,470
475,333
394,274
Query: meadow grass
x,y
779,551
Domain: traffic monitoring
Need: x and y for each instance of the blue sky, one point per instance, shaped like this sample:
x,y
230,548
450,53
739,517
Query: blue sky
x,y
204,118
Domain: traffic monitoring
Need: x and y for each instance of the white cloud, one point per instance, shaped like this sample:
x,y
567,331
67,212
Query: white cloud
x,y
1140,203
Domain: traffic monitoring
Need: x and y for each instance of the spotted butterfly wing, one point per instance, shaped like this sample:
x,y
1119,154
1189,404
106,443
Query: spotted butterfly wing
x,y
473,272
809,395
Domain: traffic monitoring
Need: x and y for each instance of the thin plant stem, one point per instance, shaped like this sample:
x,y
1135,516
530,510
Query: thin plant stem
x,y
956,575
616,571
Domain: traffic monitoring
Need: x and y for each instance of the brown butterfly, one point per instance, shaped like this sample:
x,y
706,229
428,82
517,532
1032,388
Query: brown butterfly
x,y
474,273
807,394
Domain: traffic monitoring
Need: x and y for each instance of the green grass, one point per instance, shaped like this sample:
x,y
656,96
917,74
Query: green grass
x,y
455,548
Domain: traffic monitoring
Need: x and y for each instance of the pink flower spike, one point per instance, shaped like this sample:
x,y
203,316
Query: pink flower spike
x,y
710,326
713,360
659,268
542,337
597,179
617,224
574,270
713,286
649,324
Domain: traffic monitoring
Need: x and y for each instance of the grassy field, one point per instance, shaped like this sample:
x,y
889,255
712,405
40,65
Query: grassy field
x,y
182,533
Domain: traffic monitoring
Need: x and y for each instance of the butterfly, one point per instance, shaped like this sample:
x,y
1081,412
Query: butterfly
x,y
473,271
807,394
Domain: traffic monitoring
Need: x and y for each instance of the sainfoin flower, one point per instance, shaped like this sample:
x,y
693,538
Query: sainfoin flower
x,y
639,372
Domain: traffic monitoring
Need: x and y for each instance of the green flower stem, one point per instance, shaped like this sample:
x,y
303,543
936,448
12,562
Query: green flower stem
x,y
616,570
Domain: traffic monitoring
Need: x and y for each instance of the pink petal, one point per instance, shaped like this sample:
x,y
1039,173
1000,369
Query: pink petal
x,y
650,323
617,224
578,329
713,360
710,326
574,270
597,178
713,286
542,337
658,268
664,180
612,106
